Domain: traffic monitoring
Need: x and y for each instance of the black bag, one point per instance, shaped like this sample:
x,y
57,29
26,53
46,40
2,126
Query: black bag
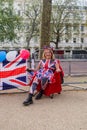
x,y
62,78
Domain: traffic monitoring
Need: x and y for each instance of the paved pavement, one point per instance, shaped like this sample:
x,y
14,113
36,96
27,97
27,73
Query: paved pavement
x,y
67,111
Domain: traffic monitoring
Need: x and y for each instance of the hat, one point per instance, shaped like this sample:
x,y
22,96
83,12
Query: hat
x,y
48,47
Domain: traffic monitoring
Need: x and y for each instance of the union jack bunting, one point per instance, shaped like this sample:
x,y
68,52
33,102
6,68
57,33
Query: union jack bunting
x,y
13,74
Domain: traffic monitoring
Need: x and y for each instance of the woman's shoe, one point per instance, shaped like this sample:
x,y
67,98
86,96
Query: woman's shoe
x,y
28,101
51,96
39,96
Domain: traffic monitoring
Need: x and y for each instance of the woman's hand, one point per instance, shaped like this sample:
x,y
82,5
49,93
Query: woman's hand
x,y
57,67
58,70
30,69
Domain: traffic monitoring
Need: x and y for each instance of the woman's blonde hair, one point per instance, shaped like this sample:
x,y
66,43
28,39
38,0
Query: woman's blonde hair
x,y
52,55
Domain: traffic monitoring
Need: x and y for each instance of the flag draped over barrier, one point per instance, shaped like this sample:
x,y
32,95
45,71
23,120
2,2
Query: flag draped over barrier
x,y
13,73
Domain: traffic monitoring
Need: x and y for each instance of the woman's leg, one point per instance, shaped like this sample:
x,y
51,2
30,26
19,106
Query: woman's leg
x,y
29,100
44,82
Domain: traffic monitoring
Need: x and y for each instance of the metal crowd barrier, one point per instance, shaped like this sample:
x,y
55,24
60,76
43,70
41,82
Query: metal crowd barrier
x,y
71,67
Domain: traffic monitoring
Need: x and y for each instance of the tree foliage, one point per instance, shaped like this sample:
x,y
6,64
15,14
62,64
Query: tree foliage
x,y
32,20
9,21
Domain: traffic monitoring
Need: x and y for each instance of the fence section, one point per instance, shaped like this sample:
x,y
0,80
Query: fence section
x,y
72,67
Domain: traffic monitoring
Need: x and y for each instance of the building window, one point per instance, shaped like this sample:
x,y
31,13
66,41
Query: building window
x,y
74,40
82,40
82,28
19,13
26,6
66,40
66,28
75,28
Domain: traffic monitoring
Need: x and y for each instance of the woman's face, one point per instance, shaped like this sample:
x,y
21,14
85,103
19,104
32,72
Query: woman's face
x,y
48,54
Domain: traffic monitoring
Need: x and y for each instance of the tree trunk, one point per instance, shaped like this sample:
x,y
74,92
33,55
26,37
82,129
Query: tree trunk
x,y
57,41
45,24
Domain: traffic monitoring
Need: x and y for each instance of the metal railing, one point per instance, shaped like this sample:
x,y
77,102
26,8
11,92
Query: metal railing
x,y
65,56
75,64
74,67
71,67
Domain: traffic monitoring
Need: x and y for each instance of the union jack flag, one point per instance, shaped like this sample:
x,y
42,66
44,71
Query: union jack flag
x,y
13,74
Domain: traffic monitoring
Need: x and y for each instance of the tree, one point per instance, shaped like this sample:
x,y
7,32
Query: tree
x,y
45,23
9,21
65,15
32,20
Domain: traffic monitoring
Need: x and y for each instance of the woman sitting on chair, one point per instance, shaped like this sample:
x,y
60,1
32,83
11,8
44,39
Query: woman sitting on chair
x,y
44,73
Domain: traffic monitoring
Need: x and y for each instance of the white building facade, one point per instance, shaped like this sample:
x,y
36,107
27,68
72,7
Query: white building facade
x,y
76,42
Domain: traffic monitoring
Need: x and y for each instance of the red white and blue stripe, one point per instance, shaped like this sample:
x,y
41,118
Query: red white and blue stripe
x,y
13,74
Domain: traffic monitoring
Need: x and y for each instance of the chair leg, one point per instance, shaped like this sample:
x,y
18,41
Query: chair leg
x,y
51,96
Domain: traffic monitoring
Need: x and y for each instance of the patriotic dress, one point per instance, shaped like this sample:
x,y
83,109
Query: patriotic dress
x,y
47,68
